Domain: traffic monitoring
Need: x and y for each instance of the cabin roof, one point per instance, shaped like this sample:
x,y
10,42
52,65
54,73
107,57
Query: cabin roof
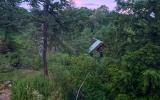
x,y
95,45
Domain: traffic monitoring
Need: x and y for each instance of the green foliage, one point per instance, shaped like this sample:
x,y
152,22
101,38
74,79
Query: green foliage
x,y
59,58
11,75
27,52
151,79
12,18
134,78
123,97
31,88
148,56
5,63
9,61
129,69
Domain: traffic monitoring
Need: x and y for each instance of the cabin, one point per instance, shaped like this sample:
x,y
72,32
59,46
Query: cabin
x,y
98,46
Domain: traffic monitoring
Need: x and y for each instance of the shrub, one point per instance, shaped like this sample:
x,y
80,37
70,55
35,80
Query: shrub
x,y
123,97
148,56
150,82
60,59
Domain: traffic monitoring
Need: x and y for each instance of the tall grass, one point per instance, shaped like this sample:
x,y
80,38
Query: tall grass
x,y
32,88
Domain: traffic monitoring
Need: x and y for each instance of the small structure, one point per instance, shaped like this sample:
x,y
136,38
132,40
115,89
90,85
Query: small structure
x,y
152,14
97,45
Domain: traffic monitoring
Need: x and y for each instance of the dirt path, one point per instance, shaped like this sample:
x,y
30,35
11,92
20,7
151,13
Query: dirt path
x,y
5,94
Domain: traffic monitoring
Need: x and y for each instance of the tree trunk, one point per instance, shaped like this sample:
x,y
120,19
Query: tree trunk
x,y
45,37
45,46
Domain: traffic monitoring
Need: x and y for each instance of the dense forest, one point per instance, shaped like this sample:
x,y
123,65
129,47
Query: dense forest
x,y
44,51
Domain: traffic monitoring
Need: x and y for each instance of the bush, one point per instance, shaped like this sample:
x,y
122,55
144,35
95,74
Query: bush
x,y
123,97
6,62
60,59
146,57
142,64
150,82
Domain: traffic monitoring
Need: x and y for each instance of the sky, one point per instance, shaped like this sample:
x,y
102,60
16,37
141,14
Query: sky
x,y
87,3
95,3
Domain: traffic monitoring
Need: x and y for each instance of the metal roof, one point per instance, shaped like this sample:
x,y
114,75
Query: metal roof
x,y
94,45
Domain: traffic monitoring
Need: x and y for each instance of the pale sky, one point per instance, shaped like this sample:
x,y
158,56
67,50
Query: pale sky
x,y
87,3
95,3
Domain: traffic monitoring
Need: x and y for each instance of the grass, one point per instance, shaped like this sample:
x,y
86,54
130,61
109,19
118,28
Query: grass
x,y
32,88
17,75
31,85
